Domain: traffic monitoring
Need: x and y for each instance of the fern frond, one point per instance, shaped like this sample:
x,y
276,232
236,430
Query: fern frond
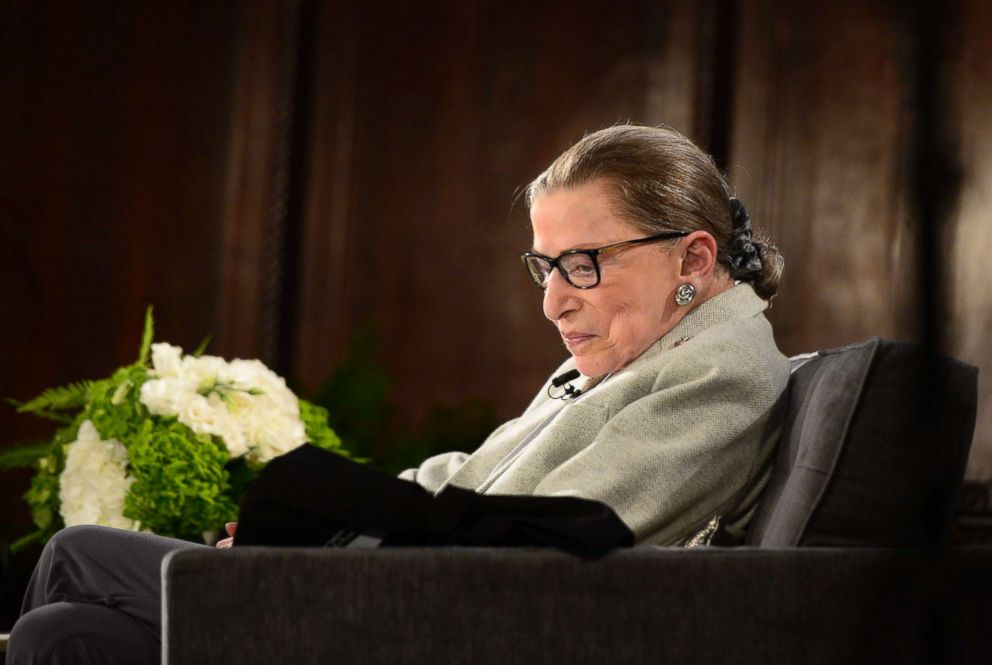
x,y
71,396
54,416
24,455
146,337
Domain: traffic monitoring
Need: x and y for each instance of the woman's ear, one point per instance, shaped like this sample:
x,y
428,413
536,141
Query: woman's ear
x,y
698,254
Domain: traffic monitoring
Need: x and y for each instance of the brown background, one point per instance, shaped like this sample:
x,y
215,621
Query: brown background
x,y
281,173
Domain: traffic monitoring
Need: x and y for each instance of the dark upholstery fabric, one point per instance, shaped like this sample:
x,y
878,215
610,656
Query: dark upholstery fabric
x,y
965,605
870,456
822,395
641,605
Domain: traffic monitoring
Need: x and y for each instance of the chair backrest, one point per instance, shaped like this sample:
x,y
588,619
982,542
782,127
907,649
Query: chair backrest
x,y
870,455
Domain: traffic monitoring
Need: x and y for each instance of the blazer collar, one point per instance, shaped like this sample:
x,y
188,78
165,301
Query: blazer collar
x,y
736,303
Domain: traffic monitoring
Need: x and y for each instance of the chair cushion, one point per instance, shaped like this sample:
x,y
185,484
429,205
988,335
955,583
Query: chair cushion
x,y
869,455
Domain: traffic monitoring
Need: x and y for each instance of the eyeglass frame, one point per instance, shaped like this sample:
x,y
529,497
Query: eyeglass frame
x,y
593,254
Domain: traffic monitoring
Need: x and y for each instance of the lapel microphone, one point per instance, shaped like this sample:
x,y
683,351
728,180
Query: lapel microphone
x,y
570,391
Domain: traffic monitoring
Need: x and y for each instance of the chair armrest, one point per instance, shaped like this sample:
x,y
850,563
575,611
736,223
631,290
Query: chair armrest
x,y
535,606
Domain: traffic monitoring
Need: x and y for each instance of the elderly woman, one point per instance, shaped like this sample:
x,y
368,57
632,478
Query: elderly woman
x,y
664,412
657,286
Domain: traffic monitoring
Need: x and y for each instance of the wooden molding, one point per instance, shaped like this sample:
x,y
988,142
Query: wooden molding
x,y
251,250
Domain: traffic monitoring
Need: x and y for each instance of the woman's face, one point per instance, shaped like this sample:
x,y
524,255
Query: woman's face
x,y
605,327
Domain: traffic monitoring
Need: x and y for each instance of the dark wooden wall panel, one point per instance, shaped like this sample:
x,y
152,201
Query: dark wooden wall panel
x,y
818,156
968,240
821,150
113,127
251,261
426,127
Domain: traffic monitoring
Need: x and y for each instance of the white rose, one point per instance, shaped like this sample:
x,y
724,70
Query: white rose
x,y
247,405
94,483
254,374
166,360
273,434
210,415
202,372
197,413
165,397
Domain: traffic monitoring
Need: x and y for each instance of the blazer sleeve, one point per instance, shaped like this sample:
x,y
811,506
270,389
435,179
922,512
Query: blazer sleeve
x,y
434,471
671,460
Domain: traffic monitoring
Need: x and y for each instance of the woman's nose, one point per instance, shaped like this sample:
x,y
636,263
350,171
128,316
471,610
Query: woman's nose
x,y
559,297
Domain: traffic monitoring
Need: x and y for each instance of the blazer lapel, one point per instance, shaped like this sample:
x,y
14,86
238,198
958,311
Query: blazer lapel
x,y
501,443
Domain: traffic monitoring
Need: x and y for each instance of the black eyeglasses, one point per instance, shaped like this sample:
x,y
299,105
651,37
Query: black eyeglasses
x,y
580,267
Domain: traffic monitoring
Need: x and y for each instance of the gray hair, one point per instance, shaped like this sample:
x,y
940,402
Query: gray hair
x,y
662,181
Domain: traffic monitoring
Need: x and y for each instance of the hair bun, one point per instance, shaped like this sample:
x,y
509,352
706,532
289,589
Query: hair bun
x,y
765,283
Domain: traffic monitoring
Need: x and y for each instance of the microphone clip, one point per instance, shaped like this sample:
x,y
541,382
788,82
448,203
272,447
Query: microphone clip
x,y
563,381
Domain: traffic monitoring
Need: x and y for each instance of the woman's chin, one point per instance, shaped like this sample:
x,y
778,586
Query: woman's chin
x,y
591,367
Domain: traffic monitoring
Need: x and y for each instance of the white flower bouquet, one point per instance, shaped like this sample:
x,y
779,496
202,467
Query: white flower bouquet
x,y
165,445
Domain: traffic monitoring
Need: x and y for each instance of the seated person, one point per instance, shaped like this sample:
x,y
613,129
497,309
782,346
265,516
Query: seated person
x,y
657,286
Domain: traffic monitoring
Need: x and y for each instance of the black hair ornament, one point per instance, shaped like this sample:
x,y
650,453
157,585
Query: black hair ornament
x,y
745,261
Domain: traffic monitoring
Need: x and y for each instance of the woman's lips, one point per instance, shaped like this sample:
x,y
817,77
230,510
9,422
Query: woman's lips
x,y
575,340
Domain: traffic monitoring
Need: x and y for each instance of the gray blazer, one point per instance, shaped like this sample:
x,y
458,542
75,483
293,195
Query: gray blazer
x,y
684,433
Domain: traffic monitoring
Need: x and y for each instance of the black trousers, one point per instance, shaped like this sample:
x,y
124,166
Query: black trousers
x,y
95,597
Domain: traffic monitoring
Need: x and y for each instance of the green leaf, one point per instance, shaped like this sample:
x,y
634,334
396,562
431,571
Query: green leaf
x,y
202,347
146,337
71,396
24,455
24,541
121,392
320,433
53,416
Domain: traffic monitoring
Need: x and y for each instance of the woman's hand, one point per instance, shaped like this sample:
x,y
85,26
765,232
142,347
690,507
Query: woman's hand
x,y
225,543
